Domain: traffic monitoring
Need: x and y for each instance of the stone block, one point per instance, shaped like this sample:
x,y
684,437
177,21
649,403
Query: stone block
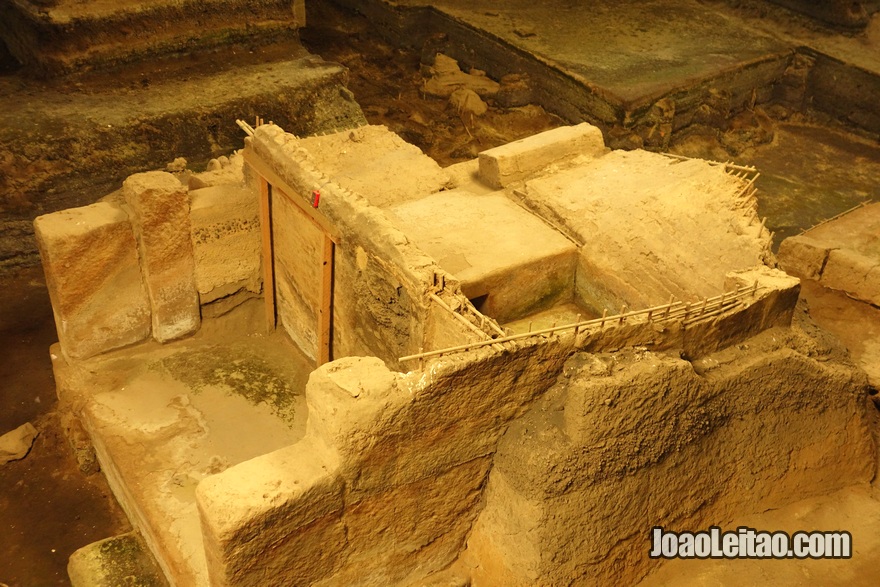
x,y
120,560
91,264
515,161
162,226
17,444
803,256
771,304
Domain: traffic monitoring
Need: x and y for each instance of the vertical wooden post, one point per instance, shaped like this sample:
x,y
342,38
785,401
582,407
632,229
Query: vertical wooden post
x,y
268,254
325,317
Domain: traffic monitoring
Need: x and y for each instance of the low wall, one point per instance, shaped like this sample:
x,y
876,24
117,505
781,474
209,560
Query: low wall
x,y
381,281
386,485
150,260
834,264
629,441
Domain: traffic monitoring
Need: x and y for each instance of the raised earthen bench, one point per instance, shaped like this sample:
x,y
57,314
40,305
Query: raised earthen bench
x,y
842,254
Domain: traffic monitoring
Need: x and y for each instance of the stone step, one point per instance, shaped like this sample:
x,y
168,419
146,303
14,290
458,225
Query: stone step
x,y
61,36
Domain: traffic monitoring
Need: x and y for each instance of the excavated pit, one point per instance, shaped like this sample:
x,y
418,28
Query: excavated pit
x,y
369,431
772,96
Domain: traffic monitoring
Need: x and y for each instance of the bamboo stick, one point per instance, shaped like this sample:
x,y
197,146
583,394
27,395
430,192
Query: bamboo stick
x,y
245,127
727,165
458,316
729,303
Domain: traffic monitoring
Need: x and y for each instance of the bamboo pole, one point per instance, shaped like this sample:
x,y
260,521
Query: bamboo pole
x,y
458,316
730,301
245,127
727,165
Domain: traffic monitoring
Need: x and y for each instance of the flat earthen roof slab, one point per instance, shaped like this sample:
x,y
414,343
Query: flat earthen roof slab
x,y
491,244
377,164
661,226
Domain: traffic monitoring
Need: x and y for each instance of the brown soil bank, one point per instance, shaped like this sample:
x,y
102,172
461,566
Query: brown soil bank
x,y
62,36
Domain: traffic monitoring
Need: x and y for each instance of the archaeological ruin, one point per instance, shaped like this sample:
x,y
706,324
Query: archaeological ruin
x,y
578,273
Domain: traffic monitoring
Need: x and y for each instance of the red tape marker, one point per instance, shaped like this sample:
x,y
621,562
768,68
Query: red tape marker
x,y
316,197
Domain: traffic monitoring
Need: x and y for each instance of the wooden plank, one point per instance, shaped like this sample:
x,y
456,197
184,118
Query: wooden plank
x,y
325,315
289,193
268,255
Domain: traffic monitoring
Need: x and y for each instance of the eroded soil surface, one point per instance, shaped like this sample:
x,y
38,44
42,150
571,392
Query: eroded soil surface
x,y
388,83
48,508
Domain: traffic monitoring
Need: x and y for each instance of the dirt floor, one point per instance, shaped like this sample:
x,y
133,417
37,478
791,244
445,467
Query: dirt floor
x,y
389,82
48,507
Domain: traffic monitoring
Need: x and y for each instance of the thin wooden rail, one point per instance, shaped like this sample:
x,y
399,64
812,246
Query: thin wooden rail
x,y
726,165
835,217
689,312
473,328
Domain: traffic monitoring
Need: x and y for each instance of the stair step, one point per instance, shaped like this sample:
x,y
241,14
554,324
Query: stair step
x,y
74,35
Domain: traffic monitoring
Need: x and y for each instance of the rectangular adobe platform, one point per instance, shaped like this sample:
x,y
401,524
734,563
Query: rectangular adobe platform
x,y
604,62
642,68
843,254
499,251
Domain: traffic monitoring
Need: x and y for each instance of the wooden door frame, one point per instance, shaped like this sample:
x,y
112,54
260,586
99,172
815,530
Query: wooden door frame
x,y
270,184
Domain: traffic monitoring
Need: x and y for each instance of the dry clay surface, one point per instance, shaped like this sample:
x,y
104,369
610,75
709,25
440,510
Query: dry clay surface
x,y
843,254
662,226
859,230
184,414
377,164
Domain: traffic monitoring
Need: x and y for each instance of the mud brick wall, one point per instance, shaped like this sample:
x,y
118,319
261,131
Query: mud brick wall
x,y
380,279
160,205
388,482
632,440
94,278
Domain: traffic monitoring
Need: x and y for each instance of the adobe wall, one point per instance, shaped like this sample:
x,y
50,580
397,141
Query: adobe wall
x,y
150,260
192,250
632,440
841,254
381,280
392,473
